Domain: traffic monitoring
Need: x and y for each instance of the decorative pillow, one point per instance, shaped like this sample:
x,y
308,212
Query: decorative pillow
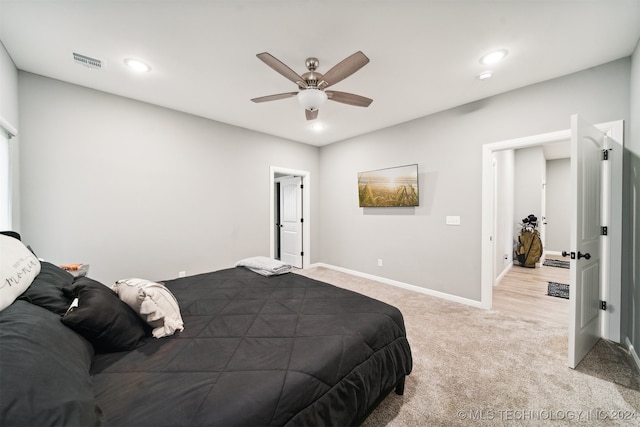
x,y
153,302
46,289
108,323
18,267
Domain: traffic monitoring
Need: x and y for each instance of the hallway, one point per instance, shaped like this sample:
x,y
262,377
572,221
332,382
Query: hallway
x,y
523,292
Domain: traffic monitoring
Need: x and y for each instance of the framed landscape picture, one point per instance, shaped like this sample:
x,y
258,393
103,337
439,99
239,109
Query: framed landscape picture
x,y
391,187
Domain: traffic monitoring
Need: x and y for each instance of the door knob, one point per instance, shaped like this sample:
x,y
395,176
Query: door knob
x,y
586,256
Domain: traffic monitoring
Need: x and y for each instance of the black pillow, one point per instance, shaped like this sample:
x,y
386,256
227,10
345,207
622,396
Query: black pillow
x,y
108,323
44,370
46,288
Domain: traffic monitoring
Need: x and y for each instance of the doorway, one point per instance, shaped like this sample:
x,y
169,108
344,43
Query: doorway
x,y
289,220
532,181
277,175
611,294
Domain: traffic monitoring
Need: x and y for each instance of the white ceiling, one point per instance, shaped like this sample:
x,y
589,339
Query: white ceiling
x,y
424,54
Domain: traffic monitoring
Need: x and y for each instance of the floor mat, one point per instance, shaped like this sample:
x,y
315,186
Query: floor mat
x,y
560,290
556,263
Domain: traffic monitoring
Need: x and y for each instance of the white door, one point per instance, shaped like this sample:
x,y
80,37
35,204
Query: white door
x,y
587,144
291,221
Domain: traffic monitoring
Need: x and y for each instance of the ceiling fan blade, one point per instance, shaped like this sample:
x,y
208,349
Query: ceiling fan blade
x,y
275,97
343,69
280,67
348,98
311,115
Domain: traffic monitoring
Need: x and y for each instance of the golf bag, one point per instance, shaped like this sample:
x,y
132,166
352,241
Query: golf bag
x,y
529,248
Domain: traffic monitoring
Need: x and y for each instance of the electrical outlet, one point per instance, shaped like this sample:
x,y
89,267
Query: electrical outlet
x,y
379,262
182,274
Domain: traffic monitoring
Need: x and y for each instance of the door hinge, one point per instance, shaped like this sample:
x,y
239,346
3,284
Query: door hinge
x,y
605,154
603,305
301,219
603,230
301,186
301,253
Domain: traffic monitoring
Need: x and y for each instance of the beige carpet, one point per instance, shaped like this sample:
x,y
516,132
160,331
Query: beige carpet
x,y
479,367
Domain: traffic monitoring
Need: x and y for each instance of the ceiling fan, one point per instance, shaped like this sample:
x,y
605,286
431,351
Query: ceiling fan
x,y
312,85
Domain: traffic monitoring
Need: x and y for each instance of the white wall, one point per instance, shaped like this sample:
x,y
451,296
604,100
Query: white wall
x,y
504,210
558,192
416,246
138,190
530,173
83,147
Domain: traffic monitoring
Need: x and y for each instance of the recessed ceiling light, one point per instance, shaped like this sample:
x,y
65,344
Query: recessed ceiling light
x,y
485,75
493,57
137,65
317,127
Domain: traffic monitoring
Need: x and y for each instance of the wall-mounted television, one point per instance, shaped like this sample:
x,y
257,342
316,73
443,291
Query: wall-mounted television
x,y
390,187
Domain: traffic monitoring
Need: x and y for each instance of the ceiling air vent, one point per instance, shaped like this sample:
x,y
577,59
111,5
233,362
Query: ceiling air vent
x,y
96,64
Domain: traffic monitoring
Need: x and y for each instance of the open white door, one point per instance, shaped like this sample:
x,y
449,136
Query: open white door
x,y
587,144
291,221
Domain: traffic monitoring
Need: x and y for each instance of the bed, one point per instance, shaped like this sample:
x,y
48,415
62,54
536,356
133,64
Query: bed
x,y
254,351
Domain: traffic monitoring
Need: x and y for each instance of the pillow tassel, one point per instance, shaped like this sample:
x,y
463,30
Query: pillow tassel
x,y
169,328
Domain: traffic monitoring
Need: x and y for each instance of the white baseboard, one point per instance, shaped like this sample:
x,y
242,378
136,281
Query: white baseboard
x,y
504,273
403,285
553,252
633,353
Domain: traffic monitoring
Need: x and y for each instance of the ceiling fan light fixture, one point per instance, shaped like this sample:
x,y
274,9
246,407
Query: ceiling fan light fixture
x,y
494,57
311,99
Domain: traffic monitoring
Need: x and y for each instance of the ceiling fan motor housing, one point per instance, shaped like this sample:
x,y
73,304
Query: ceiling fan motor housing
x,y
312,77
311,98
312,64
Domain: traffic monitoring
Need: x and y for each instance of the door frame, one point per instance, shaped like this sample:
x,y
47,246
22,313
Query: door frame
x,y
611,289
306,210
296,256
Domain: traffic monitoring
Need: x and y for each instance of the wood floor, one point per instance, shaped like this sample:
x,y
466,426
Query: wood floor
x,y
523,292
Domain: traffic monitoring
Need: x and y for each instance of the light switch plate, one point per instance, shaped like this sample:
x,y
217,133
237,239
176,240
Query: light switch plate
x,y
453,220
